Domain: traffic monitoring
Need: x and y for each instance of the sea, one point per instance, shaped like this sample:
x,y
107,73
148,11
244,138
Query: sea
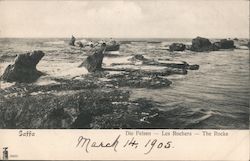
x,y
216,96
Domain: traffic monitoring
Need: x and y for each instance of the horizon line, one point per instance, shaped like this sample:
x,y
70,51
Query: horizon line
x,y
105,37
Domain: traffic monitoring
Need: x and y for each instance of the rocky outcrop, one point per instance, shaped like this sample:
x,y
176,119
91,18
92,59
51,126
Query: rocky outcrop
x,y
177,47
200,44
79,43
113,47
139,79
137,57
181,65
24,68
72,41
94,62
226,44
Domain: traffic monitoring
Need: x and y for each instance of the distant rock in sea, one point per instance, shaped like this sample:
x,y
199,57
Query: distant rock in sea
x,y
225,44
72,41
200,44
94,62
113,47
24,68
177,47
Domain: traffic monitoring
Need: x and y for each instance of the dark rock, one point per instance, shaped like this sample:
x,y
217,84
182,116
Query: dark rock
x,y
57,118
193,67
79,43
236,39
72,41
24,68
113,47
145,82
83,121
139,114
217,45
150,73
94,62
138,57
177,47
184,65
200,44
139,79
226,44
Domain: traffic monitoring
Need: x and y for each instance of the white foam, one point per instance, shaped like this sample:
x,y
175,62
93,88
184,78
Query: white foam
x,y
45,80
71,72
109,61
243,47
62,69
83,41
4,85
3,66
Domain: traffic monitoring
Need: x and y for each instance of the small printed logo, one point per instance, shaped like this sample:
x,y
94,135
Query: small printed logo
x,y
5,153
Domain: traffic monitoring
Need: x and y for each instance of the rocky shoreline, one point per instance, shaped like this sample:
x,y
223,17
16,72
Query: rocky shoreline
x,y
99,99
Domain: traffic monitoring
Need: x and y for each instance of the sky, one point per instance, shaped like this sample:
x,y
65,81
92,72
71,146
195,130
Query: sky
x,y
125,18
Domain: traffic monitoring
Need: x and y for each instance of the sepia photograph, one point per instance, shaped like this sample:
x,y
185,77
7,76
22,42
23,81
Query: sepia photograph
x,y
124,64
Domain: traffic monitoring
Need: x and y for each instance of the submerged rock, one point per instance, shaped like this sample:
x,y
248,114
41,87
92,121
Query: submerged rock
x,y
24,68
72,41
177,47
94,62
200,44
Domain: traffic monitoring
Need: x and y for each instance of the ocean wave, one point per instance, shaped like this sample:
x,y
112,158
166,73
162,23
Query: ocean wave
x,y
55,42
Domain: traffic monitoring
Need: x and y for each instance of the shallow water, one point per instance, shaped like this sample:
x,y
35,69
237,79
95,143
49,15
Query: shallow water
x,y
215,96
220,89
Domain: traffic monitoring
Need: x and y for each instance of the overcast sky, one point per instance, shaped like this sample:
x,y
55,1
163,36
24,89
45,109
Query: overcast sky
x,y
129,18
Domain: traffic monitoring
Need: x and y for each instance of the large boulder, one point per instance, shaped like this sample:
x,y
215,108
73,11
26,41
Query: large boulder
x,y
72,41
24,68
113,47
226,44
200,44
94,62
177,47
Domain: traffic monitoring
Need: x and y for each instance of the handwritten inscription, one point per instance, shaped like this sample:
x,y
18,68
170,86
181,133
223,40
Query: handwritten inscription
x,y
87,144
